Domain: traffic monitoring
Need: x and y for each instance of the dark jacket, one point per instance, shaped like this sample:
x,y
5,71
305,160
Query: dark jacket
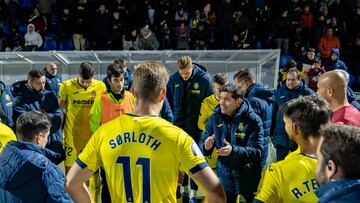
x,y
185,98
340,191
28,174
166,112
261,99
29,100
283,95
337,64
352,98
240,172
6,103
52,83
128,80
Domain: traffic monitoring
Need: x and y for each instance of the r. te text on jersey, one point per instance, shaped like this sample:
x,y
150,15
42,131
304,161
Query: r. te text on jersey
x,y
141,138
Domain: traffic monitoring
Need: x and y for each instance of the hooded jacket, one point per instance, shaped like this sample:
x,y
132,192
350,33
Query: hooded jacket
x,y
185,98
53,83
352,98
240,171
283,95
28,173
33,38
340,191
261,99
6,103
27,99
337,64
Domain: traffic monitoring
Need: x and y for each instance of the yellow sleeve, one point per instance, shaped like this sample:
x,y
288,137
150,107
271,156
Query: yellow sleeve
x,y
191,158
95,115
268,190
62,92
6,135
203,116
89,157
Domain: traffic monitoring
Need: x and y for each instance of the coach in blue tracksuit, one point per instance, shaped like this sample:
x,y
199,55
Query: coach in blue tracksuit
x,y
186,90
236,132
53,81
292,89
32,96
28,171
6,103
261,99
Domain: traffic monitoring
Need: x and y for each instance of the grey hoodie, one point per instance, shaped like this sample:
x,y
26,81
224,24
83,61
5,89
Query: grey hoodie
x,y
33,38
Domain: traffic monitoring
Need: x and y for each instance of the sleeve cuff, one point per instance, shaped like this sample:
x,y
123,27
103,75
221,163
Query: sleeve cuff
x,y
198,167
80,163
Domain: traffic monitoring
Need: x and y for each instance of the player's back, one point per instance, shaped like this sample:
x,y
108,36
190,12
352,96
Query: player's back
x,y
142,157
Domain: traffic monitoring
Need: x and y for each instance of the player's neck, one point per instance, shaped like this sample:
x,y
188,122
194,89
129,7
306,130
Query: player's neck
x,y
336,104
145,108
309,146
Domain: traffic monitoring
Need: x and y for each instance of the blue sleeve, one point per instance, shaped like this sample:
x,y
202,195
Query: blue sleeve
x,y
275,108
130,80
54,113
166,112
169,94
7,105
254,145
53,183
209,90
209,130
19,107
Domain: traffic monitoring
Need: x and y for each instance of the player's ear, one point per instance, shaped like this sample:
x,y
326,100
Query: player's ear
x,y
162,94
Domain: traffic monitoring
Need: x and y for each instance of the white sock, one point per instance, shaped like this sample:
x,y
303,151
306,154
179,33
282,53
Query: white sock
x,y
192,194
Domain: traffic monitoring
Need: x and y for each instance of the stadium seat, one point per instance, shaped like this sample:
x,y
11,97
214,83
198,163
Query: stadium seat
x,y
50,44
23,29
6,30
284,59
66,45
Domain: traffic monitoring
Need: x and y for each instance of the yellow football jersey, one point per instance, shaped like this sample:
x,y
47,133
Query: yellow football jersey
x,y
6,135
290,180
79,102
142,157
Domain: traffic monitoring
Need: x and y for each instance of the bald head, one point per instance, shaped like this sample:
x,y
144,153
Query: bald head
x,y
332,86
51,68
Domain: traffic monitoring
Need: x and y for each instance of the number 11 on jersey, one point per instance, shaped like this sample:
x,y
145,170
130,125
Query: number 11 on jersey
x,y
145,164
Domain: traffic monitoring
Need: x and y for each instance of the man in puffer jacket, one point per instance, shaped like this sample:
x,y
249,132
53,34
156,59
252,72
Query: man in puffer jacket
x,y
261,99
236,132
6,103
28,171
334,61
33,40
292,89
31,95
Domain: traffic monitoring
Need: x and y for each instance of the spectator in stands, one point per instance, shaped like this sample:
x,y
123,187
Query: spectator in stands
x,y
181,15
236,132
240,39
53,81
33,40
131,40
211,25
313,74
262,29
327,42
32,96
80,26
108,106
332,86
292,89
46,7
6,103
27,9
225,19
261,99
281,29
338,169
6,135
319,28
182,36
15,41
186,90
293,179
148,39
353,60
334,61
354,23
200,37
196,19
102,28
66,24
307,60
283,72
165,36
28,171
39,21
118,28
306,23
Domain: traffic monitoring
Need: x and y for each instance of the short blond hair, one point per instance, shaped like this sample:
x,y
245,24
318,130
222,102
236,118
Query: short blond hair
x,y
149,79
184,62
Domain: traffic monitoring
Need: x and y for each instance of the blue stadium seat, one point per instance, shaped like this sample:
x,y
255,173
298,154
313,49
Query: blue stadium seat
x,y
50,44
66,45
284,59
6,30
23,29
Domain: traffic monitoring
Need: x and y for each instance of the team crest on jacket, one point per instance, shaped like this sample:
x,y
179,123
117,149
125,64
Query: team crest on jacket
x,y
196,85
239,132
93,94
